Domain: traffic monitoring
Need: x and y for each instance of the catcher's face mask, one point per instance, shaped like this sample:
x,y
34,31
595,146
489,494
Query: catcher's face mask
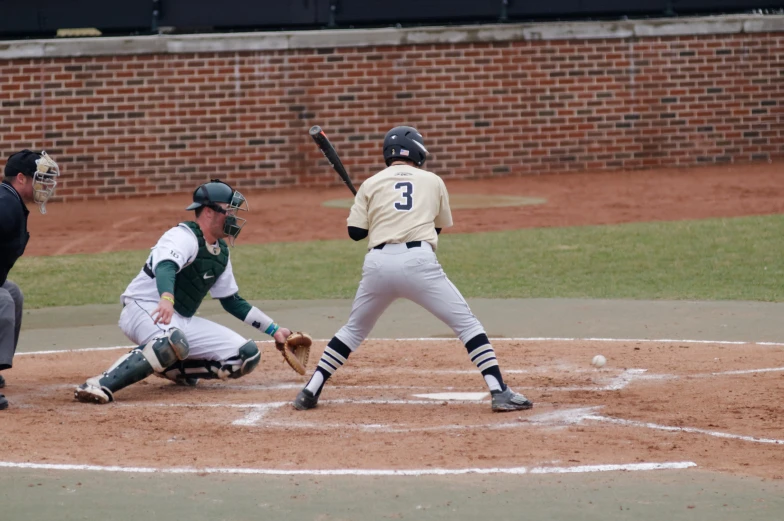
x,y
44,180
232,225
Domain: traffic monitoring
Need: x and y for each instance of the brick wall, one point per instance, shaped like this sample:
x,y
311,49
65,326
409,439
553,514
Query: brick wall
x,y
139,124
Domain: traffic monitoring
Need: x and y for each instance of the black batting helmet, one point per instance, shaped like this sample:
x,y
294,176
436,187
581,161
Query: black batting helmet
x,y
404,143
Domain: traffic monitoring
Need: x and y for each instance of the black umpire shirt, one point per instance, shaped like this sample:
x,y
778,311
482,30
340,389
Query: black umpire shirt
x,y
13,229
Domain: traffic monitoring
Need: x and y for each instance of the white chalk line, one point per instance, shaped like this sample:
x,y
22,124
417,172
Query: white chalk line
x,y
80,350
253,417
299,385
258,413
748,371
468,396
262,405
217,385
279,404
494,339
556,418
628,467
380,428
587,339
617,383
623,380
691,430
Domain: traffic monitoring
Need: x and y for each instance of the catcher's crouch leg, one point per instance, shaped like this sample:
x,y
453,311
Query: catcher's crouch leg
x,y
137,365
189,372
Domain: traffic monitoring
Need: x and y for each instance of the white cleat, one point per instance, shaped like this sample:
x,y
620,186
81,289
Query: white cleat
x,y
91,392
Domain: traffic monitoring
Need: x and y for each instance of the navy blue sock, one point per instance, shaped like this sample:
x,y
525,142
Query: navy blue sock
x,y
335,355
482,354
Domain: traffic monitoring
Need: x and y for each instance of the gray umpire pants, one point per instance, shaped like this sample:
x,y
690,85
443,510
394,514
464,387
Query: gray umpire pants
x,y
11,301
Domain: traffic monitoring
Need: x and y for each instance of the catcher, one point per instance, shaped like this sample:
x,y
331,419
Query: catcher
x,y
160,304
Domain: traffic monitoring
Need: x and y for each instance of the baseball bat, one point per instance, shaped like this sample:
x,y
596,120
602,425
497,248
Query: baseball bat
x,y
322,141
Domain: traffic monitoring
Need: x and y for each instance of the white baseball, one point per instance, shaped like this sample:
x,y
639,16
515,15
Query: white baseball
x,y
598,361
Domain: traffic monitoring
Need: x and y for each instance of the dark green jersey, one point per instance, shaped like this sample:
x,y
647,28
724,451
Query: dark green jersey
x,y
194,281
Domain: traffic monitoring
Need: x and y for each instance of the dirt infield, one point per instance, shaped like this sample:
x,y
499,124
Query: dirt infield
x,y
709,404
713,405
298,214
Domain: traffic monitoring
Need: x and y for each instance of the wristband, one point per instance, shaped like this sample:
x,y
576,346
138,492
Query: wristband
x,y
167,297
272,329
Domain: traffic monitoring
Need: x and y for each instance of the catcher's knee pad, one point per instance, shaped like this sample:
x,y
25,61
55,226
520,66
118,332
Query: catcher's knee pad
x,y
243,363
163,352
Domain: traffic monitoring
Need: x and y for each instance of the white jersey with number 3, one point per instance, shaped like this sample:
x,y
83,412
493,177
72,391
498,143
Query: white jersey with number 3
x,y
401,204
404,204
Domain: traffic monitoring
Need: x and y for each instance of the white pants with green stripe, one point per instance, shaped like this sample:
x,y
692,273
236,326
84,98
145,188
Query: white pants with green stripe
x,y
397,271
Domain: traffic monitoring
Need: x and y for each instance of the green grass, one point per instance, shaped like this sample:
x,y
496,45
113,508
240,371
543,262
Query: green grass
x,y
717,259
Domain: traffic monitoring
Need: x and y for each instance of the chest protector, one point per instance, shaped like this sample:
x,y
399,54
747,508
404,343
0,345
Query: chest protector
x,y
13,245
194,281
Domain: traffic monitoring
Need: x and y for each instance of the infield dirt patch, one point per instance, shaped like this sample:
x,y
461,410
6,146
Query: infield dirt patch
x,y
713,404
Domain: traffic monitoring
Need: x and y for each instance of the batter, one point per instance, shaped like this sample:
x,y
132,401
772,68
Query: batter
x,y
401,210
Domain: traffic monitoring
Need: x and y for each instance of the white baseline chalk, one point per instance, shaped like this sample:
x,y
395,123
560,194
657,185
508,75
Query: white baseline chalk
x,y
692,430
358,472
514,339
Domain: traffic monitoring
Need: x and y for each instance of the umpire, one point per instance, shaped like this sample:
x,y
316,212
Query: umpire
x,y
30,177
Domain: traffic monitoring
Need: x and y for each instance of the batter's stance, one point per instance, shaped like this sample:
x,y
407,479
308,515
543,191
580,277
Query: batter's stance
x,y
401,210
159,305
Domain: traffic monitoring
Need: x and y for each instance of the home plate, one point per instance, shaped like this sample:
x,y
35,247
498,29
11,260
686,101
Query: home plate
x,y
475,397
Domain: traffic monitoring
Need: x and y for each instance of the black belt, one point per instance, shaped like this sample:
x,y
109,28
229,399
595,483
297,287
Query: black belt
x,y
409,245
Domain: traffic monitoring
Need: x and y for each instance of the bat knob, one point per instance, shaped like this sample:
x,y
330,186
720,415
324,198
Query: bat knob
x,y
315,130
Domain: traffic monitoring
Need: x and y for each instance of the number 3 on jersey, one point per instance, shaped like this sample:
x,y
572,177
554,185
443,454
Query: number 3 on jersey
x,y
407,189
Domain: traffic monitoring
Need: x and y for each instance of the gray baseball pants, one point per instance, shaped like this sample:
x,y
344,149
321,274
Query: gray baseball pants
x,y
397,271
11,301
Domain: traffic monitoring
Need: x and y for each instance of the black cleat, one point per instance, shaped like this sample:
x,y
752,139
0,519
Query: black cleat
x,y
3,402
187,381
305,400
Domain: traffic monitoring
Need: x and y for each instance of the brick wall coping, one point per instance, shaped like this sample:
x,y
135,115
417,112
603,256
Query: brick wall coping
x,y
261,41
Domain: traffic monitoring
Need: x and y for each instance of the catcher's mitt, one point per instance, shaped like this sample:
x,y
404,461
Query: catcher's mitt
x,y
296,350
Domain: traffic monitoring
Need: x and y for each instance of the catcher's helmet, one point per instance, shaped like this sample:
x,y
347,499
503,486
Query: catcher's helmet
x,y
216,191
404,143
